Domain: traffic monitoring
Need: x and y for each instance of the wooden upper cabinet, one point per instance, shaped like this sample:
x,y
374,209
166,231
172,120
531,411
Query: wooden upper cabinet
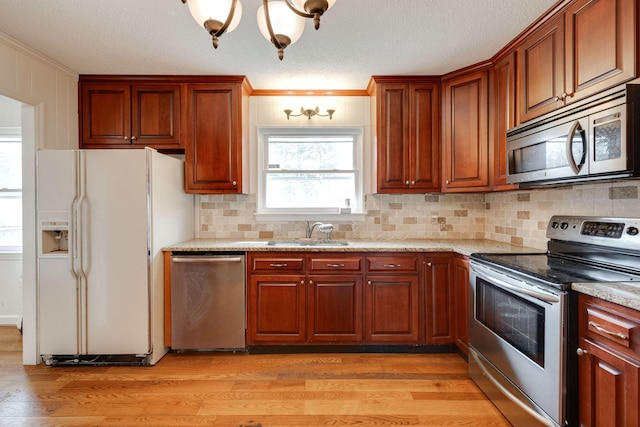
x,y
213,138
407,116
600,45
465,145
587,48
541,70
126,115
502,101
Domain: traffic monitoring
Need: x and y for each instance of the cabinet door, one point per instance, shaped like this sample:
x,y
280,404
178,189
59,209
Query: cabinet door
x,y
466,137
335,308
600,45
393,138
461,302
213,139
106,115
440,300
391,309
276,309
541,70
424,141
503,103
155,116
608,391
408,137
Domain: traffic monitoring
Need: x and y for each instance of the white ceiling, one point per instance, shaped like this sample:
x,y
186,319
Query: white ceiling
x,y
356,39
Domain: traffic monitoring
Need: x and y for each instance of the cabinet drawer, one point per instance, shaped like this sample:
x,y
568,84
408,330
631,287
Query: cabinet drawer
x,y
392,263
611,324
282,264
351,264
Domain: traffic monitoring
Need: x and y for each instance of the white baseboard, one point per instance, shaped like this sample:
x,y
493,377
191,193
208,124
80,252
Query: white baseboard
x,y
6,320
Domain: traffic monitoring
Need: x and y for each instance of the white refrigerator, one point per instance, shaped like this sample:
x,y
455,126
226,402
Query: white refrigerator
x,y
103,218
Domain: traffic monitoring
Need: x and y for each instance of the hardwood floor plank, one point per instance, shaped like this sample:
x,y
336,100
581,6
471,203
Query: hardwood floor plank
x,y
244,390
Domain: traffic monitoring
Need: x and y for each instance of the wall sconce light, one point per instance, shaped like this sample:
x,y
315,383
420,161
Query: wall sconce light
x,y
310,107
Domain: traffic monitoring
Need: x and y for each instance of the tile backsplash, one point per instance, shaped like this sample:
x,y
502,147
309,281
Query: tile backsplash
x,y
517,217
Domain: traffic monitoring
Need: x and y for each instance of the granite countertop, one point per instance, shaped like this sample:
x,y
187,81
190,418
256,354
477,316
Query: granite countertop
x,y
625,294
464,247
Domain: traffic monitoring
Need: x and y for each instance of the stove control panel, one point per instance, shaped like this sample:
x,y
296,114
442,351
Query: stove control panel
x,y
619,232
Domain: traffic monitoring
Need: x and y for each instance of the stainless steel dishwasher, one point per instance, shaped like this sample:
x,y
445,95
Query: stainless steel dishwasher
x,y
207,301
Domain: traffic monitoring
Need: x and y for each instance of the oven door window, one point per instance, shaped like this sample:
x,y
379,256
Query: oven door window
x,y
514,319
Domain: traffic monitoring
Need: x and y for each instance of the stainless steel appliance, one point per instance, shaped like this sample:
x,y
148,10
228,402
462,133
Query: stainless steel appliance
x,y
103,218
594,139
207,301
523,319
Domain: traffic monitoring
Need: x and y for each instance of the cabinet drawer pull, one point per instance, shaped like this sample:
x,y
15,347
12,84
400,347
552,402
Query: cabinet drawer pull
x,y
599,328
393,265
335,265
581,352
133,138
279,265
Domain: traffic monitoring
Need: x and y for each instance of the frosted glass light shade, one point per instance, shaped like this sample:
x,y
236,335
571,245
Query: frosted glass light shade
x,y
217,10
283,21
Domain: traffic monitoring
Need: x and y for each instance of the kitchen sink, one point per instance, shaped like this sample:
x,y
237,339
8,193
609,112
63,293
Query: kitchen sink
x,y
307,242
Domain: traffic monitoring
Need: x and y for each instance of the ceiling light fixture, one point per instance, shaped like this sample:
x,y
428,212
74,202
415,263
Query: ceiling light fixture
x,y
280,22
312,9
310,107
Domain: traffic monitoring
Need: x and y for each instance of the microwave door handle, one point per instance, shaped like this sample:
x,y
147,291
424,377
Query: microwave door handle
x,y
569,145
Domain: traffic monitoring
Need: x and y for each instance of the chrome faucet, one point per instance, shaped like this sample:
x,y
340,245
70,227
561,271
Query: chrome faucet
x,y
323,228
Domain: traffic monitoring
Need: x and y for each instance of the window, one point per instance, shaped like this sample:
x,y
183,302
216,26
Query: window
x,y
310,171
10,190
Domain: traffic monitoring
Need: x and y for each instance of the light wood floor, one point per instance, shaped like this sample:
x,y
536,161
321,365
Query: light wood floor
x,y
243,390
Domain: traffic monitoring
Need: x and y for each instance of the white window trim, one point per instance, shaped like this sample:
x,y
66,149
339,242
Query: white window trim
x,y
317,214
11,134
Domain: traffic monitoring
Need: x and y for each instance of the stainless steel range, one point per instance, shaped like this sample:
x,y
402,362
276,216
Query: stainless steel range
x,y
523,318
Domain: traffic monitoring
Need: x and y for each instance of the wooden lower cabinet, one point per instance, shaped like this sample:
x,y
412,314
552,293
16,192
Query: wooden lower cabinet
x,y
609,364
334,305
391,309
276,308
439,299
461,302
333,298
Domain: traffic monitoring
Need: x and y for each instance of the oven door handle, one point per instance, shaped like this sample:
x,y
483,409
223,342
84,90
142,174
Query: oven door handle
x,y
532,293
541,418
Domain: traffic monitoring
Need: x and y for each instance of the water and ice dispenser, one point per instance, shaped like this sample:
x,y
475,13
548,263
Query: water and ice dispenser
x,y
54,236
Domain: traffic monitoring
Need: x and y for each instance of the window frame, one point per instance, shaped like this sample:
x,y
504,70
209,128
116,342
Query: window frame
x,y
12,135
264,133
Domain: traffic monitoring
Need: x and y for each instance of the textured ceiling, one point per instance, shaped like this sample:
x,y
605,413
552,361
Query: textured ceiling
x,y
356,39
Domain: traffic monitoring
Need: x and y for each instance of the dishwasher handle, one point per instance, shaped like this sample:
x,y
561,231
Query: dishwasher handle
x,y
206,259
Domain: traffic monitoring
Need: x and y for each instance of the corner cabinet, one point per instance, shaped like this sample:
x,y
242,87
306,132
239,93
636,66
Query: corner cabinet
x,y
125,113
439,299
588,47
407,127
465,144
608,363
214,133
502,102
460,282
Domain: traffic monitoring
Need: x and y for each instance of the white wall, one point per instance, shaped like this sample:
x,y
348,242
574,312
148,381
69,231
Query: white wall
x,y
49,93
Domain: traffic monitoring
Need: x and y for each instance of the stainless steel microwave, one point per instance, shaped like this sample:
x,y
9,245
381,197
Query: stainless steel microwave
x,y
598,139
